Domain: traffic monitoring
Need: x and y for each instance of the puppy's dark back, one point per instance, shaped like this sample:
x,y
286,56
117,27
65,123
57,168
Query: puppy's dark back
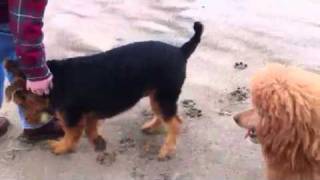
x,y
109,83
113,81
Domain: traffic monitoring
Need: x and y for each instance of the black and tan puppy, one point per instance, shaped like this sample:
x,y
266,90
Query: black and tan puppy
x,y
90,88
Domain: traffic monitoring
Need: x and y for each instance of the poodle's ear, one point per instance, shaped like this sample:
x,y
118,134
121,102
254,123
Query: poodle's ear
x,y
315,150
314,140
13,68
289,111
287,125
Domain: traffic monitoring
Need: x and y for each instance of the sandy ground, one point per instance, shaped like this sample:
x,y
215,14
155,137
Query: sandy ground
x,y
211,145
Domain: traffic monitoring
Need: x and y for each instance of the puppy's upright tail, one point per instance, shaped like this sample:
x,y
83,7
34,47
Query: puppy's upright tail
x,y
189,47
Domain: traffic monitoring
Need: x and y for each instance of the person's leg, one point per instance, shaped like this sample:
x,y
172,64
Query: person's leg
x,y
8,51
5,41
1,76
5,37
30,132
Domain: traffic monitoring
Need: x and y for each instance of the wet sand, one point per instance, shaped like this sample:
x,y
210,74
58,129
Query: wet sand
x,y
211,145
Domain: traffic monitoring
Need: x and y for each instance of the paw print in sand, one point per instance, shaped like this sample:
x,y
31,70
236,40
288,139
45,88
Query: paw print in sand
x,y
191,110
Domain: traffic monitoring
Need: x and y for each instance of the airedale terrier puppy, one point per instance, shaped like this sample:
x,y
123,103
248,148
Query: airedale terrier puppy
x,y
87,89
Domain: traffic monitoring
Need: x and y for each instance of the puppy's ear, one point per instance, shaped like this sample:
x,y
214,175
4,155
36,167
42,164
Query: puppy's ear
x,y
19,97
16,89
13,68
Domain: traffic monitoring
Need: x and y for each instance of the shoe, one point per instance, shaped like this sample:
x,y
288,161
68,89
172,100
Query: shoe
x,y
52,130
4,124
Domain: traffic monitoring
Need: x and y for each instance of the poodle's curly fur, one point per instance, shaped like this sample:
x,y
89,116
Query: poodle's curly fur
x,y
287,100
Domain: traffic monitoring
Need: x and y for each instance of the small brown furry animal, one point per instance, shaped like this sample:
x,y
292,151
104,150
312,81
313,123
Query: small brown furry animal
x,y
285,120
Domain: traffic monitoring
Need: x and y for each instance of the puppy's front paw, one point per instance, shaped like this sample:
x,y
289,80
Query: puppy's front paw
x,y
58,147
166,151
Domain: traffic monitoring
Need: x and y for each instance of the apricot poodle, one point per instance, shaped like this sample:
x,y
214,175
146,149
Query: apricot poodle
x,y
285,121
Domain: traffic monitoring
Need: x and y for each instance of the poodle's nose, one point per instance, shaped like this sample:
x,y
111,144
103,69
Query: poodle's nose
x,y
236,118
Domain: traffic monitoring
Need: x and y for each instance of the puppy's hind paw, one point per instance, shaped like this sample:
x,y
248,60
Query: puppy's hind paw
x,y
166,152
